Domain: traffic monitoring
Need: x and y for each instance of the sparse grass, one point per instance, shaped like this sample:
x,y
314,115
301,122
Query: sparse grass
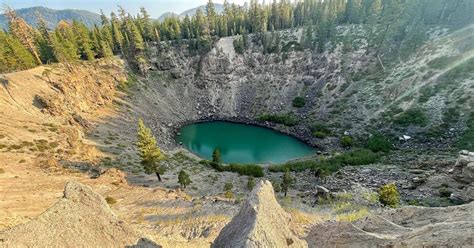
x,y
2,136
353,216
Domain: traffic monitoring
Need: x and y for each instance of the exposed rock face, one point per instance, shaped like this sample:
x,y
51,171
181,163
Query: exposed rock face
x,y
80,218
404,227
260,223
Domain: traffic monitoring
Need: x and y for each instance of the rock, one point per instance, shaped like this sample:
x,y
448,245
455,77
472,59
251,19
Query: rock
x,y
322,192
116,175
404,138
261,222
81,218
468,172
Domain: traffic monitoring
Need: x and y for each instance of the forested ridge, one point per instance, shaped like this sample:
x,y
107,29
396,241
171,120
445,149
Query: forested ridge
x,y
394,28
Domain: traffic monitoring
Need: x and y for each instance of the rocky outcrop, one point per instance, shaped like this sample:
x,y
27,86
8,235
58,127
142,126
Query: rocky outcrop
x,y
404,227
261,222
81,218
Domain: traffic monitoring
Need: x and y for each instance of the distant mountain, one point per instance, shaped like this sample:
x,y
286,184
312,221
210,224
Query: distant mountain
x,y
52,16
191,12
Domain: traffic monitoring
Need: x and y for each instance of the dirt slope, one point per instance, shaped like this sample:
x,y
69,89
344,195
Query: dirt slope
x,y
403,227
81,218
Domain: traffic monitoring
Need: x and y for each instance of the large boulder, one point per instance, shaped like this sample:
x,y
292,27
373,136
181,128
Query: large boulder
x,y
82,218
261,222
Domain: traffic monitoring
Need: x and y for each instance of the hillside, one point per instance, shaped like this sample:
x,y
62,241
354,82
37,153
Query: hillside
x,y
191,12
91,122
52,17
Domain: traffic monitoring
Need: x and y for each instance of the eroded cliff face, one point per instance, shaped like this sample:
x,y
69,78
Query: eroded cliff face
x,y
348,90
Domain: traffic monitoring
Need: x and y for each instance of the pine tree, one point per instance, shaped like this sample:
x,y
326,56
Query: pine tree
x,y
150,154
287,181
211,17
183,178
146,24
13,55
23,32
64,43
45,42
216,156
117,37
83,40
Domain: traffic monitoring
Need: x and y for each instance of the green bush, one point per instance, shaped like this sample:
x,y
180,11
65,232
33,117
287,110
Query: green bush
x,y
285,119
242,169
347,141
355,157
389,195
445,192
228,186
320,130
250,183
239,45
246,169
414,116
319,135
276,186
299,102
466,140
379,143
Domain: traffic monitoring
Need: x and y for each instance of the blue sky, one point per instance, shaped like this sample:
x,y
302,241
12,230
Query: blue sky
x,y
154,7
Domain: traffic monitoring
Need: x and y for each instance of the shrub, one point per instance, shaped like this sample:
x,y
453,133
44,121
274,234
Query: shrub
x,y
444,192
285,119
239,45
320,130
110,200
228,186
379,143
242,169
2,171
466,140
299,102
355,157
247,169
250,183
414,116
319,135
347,141
229,195
276,186
389,195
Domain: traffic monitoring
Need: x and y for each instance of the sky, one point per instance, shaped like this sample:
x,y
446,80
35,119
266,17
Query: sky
x,y
154,7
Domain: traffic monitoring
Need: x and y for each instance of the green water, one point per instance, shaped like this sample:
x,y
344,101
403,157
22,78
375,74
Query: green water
x,y
241,143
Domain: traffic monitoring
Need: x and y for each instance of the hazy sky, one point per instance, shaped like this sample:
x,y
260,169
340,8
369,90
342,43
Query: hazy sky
x,y
154,7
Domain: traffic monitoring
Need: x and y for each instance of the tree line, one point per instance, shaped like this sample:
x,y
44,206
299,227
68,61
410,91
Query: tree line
x,y
393,27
